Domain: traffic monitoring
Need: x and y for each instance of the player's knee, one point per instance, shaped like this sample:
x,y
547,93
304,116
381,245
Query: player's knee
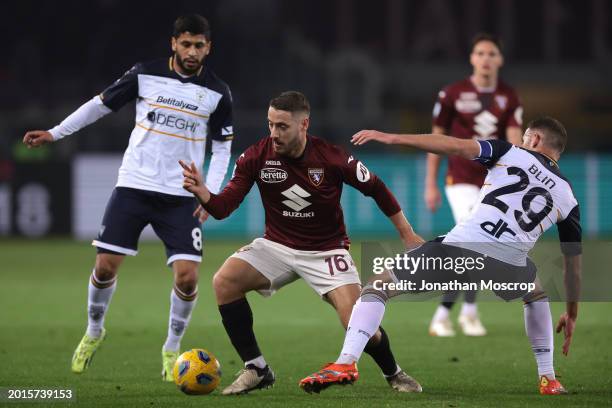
x,y
106,268
187,283
186,276
224,285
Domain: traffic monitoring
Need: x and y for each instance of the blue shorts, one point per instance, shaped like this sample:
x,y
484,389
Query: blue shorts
x,y
130,210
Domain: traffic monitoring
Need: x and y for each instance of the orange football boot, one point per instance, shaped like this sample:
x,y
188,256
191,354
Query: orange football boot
x,y
330,374
551,387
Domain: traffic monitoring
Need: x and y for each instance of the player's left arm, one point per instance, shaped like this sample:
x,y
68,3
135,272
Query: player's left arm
x,y
357,175
570,236
221,131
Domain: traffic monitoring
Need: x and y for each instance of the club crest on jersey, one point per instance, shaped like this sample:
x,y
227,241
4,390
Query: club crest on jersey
x,y
200,94
501,101
316,176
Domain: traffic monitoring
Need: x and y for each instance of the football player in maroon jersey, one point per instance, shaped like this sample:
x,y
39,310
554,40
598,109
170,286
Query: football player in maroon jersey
x,y
300,179
478,107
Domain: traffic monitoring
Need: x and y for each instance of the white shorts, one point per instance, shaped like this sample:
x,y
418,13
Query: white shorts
x,y
323,271
462,199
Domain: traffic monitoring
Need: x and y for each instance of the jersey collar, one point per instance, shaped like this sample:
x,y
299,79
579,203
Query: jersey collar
x,y
489,89
171,68
553,161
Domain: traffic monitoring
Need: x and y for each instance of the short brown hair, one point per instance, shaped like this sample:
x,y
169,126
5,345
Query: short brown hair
x,y
486,37
555,134
291,101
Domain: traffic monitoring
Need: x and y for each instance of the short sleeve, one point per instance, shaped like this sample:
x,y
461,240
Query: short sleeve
x,y
357,175
220,125
491,151
444,110
515,112
123,90
570,233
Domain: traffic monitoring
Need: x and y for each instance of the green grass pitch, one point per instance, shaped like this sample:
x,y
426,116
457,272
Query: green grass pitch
x,y
42,317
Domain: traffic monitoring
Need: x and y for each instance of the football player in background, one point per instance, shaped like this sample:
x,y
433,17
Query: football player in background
x,y
300,179
180,103
479,107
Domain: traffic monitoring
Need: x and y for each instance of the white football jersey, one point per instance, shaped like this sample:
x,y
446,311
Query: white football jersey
x,y
523,195
174,117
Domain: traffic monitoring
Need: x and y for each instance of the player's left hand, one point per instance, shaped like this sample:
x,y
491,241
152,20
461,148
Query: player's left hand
x,y
364,136
567,324
413,241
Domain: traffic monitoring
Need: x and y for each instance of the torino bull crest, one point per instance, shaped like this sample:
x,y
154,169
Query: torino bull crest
x,y
316,176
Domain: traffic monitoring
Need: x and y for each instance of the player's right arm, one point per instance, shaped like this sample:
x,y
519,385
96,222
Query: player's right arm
x,y
223,204
433,143
570,236
111,99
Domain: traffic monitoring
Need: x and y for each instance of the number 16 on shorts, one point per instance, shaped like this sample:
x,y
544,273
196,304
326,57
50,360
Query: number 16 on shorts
x,y
337,263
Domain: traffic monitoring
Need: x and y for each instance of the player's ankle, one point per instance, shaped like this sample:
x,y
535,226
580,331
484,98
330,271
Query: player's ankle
x,y
549,376
346,359
94,332
259,362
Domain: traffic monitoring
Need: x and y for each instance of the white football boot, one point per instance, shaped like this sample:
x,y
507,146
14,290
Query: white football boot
x,y
471,325
441,328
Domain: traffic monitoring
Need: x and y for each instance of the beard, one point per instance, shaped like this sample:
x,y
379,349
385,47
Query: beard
x,y
186,69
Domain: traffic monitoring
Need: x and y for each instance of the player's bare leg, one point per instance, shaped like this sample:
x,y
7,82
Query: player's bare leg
x,y
231,284
182,301
344,370
102,285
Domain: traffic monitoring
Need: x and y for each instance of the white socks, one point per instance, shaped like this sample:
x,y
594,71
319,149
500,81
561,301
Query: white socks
x,y
366,317
181,306
469,309
99,296
539,328
442,313
258,362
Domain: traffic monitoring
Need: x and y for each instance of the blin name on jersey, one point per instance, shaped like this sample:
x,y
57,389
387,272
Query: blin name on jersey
x,y
524,194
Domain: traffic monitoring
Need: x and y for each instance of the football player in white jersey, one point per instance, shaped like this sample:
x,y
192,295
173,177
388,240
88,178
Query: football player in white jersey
x,y
524,194
180,103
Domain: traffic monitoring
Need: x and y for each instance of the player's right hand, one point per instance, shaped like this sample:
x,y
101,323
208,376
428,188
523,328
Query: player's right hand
x,y
36,138
193,182
567,324
433,198
192,178
364,136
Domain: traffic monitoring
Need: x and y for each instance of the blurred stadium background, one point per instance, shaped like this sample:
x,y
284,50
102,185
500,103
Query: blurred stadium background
x,y
362,66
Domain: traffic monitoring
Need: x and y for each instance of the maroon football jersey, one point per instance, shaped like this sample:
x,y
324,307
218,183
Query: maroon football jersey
x,y
301,197
468,112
